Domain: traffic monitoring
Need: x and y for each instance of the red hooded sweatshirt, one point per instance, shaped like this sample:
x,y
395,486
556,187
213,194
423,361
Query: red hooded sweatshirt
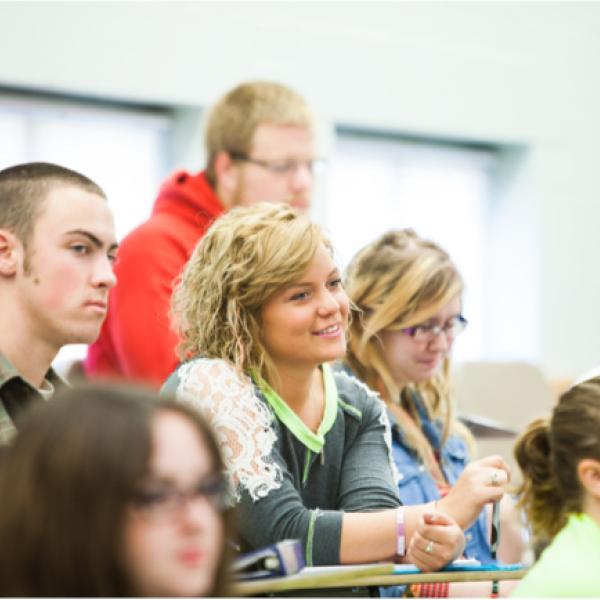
x,y
136,341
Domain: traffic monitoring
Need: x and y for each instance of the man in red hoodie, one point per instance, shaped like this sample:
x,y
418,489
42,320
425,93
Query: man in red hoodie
x,y
260,148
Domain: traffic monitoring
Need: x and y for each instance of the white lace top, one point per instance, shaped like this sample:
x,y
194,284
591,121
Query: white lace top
x,y
240,419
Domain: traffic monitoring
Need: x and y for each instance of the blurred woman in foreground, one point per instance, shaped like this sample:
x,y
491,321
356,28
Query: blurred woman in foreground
x,y
112,492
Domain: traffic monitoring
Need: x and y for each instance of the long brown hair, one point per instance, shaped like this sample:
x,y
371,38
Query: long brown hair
x,y
66,484
397,281
548,453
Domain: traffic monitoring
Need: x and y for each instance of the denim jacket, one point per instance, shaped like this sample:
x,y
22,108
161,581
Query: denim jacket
x,y
417,486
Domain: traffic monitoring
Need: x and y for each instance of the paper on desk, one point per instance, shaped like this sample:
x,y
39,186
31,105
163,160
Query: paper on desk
x,y
462,564
392,568
465,564
386,568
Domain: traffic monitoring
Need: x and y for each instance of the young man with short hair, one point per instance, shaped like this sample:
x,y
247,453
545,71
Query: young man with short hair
x,y
260,148
57,248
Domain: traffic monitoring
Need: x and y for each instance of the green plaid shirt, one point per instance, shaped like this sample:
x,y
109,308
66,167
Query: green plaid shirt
x,y
17,394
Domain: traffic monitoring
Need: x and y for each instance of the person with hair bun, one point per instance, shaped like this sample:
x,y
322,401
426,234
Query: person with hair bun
x,y
560,493
261,312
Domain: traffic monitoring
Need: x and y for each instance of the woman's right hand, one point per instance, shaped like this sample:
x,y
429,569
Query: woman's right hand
x,y
436,541
483,481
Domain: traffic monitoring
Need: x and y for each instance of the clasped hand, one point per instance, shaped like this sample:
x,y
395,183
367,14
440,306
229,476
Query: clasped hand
x,y
439,537
436,541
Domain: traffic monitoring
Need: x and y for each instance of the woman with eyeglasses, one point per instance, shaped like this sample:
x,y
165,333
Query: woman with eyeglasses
x,y
406,298
112,492
261,312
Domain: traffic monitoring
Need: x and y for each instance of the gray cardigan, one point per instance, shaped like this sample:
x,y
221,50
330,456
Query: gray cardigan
x,y
353,473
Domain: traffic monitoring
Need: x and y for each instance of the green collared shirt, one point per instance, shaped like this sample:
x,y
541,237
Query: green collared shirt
x,y
313,441
17,395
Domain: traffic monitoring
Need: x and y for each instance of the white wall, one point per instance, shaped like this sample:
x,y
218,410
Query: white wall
x,y
522,73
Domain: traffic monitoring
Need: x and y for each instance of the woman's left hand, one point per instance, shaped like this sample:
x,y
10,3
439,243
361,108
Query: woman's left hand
x,y
436,541
483,481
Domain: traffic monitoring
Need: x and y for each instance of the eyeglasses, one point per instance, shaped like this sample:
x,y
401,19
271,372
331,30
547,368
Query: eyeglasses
x,y
426,332
281,167
165,503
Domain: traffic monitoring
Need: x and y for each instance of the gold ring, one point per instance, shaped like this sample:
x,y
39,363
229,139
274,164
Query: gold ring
x,y
429,548
494,478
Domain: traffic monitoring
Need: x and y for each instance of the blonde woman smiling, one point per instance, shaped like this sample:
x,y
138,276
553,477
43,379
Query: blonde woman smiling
x,y
261,312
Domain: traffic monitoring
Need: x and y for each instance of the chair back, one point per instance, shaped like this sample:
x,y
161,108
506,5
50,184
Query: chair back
x,y
511,393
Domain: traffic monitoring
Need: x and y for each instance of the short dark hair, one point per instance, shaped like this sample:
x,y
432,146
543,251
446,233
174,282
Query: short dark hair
x,y
24,187
66,483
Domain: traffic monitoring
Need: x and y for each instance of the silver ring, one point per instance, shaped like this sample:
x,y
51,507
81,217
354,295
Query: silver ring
x,y
429,548
494,478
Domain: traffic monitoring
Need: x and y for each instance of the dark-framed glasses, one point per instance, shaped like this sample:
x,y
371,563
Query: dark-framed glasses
x,y
426,332
165,502
281,167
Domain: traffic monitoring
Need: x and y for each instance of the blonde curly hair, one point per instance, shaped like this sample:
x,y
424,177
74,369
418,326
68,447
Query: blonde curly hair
x,y
398,281
246,255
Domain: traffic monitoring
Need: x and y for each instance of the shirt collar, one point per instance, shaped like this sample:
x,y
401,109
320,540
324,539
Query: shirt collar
x,y
313,441
8,372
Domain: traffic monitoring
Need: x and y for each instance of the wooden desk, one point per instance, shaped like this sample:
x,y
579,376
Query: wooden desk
x,y
362,576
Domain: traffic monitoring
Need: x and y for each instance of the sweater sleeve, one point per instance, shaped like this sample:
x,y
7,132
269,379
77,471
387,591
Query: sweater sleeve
x,y
282,515
270,508
369,477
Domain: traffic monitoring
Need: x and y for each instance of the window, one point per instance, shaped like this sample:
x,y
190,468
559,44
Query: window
x,y
122,149
442,191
